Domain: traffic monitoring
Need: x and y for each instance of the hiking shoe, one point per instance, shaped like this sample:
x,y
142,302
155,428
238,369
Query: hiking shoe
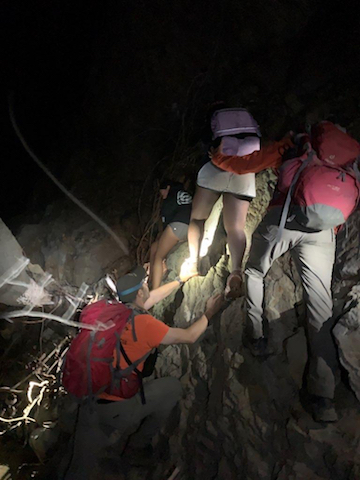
x,y
257,346
323,410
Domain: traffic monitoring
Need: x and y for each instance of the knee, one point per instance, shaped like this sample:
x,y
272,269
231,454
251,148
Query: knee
x,y
198,218
253,271
172,390
235,229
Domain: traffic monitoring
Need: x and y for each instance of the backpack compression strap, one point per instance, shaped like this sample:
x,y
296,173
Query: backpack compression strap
x,y
133,368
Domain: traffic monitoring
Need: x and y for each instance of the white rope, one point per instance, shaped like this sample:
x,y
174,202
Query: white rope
x,y
119,242
19,313
14,271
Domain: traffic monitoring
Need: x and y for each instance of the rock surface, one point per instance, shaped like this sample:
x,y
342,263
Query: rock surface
x,y
240,416
11,254
244,417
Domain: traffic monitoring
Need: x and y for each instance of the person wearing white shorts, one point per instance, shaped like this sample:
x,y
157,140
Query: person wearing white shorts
x,y
175,216
237,191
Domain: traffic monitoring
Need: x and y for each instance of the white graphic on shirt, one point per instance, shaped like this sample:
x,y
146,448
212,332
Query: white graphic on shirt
x,y
183,198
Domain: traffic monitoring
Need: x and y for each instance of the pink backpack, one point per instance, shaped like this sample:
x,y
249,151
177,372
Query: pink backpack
x,y
230,122
88,368
322,186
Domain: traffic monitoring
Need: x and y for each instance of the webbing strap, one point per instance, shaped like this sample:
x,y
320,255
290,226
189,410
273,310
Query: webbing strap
x,y
132,320
101,390
117,346
133,366
91,343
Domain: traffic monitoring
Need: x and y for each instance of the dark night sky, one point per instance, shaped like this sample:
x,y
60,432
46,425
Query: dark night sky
x,y
47,54
49,49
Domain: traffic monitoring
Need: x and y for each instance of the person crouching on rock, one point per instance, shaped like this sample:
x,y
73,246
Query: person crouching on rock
x,y
175,215
142,411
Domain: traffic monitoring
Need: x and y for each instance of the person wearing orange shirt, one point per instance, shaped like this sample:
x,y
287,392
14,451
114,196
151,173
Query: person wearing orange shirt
x,y
114,418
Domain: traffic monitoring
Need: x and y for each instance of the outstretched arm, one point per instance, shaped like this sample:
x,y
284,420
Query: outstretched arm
x,y
160,293
269,156
191,334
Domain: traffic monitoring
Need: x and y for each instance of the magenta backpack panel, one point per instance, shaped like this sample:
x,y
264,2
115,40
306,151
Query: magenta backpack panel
x,y
232,121
324,198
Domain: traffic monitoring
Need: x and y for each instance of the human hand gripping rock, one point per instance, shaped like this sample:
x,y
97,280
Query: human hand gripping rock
x,y
187,271
213,305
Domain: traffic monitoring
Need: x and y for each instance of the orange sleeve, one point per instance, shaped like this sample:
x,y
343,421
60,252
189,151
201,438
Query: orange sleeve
x,y
155,331
269,156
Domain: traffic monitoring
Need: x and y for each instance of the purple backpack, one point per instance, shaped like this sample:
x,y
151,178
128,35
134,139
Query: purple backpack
x,y
227,123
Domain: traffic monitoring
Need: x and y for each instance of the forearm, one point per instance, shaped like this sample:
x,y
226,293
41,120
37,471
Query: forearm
x,y
186,335
160,293
197,328
269,156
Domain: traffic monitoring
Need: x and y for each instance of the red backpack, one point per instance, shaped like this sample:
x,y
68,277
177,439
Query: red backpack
x,y
322,186
88,368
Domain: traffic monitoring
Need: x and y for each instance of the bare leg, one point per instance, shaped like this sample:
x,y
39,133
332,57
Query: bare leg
x,y
202,204
153,248
167,241
234,214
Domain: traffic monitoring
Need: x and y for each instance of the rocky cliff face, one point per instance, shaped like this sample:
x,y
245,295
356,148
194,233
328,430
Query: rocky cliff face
x,y
138,114
243,416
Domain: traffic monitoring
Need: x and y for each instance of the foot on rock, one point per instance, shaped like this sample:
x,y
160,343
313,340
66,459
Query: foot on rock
x,y
257,346
233,285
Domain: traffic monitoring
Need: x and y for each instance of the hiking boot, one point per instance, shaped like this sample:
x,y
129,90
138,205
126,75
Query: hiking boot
x,y
323,410
257,346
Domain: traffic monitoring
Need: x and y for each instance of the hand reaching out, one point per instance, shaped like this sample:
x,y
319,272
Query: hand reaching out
x,y
188,270
214,304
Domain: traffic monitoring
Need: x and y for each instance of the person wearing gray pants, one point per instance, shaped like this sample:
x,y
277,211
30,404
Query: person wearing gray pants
x,y
314,255
312,190
111,420
109,424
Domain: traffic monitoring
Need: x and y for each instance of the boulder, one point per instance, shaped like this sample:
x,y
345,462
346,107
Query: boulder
x,y
11,258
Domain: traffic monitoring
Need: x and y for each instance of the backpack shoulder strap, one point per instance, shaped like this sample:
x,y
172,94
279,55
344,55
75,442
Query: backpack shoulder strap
x,y
133,368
